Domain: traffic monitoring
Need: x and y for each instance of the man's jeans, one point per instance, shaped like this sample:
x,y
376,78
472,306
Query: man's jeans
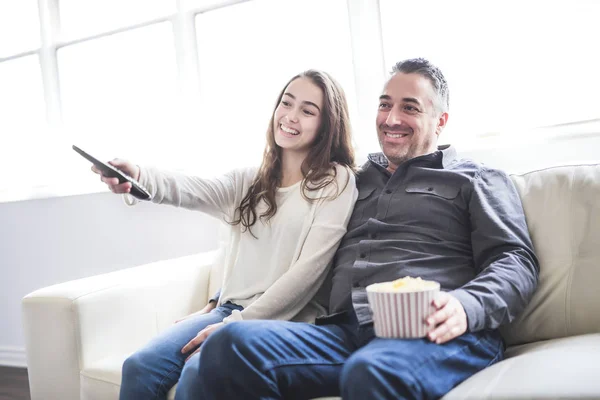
x,y
287,360
151,372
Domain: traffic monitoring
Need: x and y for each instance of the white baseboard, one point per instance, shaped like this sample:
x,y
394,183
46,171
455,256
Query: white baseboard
x,y
12,357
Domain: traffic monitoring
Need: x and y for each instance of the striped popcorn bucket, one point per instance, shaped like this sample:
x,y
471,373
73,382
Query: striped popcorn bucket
x,y
401,314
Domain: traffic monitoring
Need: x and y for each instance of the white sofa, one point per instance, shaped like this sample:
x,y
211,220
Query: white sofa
x,y
79,333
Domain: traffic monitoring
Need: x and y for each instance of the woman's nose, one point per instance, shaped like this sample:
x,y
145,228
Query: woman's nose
x,y
292,115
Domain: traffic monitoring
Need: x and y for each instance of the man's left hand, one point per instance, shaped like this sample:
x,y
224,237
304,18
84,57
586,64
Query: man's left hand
x,y
199,339
449,319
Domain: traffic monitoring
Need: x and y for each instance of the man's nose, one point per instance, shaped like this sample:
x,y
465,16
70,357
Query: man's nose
x,y
394,117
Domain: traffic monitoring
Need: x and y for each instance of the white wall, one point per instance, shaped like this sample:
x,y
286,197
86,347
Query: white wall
x,y
520,158
48,241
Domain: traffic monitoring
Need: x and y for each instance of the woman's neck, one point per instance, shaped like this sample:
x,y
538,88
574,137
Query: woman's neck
x,y
291,168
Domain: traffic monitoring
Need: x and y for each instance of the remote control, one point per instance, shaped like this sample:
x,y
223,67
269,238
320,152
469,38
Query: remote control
x,y
137,190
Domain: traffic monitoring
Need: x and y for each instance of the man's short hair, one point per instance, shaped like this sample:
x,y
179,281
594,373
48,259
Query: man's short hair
x,y
425,68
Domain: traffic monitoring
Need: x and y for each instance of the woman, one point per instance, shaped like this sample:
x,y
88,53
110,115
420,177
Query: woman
x,y
287,219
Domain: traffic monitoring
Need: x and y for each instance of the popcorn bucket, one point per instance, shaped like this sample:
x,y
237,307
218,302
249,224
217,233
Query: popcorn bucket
x,y
401,314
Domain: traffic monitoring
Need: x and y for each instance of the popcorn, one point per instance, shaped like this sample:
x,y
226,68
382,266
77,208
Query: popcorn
x,y
406,284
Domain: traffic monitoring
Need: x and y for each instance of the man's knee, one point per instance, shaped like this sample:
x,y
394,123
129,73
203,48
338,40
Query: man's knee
x,y
357,370
226,338
221,349
364,374
238,336
226,355
188,385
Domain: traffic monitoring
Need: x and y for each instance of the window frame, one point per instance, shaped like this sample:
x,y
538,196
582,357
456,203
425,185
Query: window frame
x,y
369,69
364,29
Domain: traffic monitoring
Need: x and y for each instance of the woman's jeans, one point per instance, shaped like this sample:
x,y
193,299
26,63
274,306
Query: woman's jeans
x,y
151,372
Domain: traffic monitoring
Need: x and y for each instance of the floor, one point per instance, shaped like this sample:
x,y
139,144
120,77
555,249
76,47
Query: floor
x,y
14,384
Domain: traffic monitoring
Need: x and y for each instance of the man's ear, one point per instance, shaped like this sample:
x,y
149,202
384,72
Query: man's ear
x,y
441,123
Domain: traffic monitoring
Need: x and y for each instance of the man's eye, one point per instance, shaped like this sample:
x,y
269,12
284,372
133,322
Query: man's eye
x,y
384,105
411,109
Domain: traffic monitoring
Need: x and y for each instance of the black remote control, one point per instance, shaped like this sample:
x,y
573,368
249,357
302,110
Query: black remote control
x,y
137,190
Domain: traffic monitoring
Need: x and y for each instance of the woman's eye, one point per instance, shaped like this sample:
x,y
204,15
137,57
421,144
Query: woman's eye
x,y
285,103
308,112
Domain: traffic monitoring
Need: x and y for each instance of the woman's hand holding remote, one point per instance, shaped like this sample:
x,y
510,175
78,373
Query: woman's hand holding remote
x,y
124,166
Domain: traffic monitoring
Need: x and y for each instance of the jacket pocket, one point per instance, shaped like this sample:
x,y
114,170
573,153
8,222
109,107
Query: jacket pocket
x,y
436,189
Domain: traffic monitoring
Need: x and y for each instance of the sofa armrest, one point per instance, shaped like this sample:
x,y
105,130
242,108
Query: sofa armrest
x,y
71,325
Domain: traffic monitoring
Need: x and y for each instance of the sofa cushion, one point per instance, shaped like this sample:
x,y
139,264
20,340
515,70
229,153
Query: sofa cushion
x,y
102,380
562,207
564,368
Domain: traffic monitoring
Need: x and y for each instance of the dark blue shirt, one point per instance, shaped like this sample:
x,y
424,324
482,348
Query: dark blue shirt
x,y
439,218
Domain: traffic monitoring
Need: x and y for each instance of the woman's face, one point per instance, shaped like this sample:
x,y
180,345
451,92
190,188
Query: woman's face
x,y
297,118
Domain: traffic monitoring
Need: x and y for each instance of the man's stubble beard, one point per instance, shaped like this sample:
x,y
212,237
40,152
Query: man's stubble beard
x,y
404,155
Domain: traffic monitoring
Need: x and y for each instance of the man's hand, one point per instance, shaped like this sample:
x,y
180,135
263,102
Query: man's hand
x,y
449,319
199,339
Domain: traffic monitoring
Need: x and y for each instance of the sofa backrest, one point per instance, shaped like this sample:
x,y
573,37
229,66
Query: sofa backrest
x,y
562,207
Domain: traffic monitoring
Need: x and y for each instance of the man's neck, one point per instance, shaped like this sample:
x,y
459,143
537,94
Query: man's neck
x,y
393,167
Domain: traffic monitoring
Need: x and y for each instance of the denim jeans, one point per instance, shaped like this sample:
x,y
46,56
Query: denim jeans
x,y
151,372
277,360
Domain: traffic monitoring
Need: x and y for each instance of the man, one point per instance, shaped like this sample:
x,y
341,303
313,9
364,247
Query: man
x,y
421,212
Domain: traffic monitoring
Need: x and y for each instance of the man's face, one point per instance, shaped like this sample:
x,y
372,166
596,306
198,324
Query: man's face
x,y
408,121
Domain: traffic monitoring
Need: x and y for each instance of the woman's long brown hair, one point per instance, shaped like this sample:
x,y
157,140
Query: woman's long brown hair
x,y
331,145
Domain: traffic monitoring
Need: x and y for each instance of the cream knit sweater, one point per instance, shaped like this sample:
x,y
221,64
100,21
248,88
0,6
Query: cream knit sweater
x,y
277,274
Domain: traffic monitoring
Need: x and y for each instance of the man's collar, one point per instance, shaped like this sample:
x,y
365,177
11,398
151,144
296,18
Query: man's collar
x,y
446,151
449,154
378,158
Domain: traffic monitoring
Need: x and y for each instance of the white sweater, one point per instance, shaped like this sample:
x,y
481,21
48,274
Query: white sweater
x,y
277,274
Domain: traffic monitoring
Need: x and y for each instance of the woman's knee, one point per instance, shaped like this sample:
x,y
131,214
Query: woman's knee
x,y
145,365
136,365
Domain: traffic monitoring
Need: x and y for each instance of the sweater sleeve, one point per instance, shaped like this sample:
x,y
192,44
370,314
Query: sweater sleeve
x,y
215,297
216,196
295,288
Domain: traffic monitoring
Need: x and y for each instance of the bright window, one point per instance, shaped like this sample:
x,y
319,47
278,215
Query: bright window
x,y
247,53
19,26
119,93
23,123
511,65
154,82
84,18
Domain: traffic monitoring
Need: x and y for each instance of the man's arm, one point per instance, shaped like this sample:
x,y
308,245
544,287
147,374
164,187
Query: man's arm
x,y
502,252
